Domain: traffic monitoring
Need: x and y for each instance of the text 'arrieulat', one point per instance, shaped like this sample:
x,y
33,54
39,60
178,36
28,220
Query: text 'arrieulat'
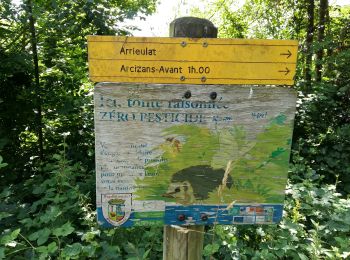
x,y
134,51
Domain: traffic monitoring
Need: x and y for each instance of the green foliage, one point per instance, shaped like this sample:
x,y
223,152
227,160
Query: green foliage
x,y
254,18
46,207
16,111
60,221
322,123
2,165
64,94
211,249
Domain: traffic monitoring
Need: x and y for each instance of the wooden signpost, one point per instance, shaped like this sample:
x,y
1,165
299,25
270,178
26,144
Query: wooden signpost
x,y
198,152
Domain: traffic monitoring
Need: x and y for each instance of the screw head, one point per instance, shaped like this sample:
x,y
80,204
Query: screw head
x,y
204,217
205,44
181,217
213,95
203,79
182,78
187,94
183,44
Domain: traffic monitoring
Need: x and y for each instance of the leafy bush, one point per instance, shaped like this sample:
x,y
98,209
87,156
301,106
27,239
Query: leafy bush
x,y
58,220
325,143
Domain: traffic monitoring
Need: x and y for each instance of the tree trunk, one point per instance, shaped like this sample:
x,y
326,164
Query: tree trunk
x,y
320,38
309,41
33,39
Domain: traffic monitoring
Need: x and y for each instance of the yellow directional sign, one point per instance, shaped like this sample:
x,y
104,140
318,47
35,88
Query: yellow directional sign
x,y
192,61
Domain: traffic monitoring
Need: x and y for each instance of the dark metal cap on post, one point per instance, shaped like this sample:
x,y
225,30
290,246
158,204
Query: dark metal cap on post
x,y
192,27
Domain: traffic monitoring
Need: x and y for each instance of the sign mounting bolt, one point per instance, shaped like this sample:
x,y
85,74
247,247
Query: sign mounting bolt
x,y
182,78
183,44
187,94
213,95
203,79
181,217
205,44
204,217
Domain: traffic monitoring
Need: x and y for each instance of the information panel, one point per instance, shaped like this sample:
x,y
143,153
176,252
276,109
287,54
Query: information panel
x,y
191,154
191,60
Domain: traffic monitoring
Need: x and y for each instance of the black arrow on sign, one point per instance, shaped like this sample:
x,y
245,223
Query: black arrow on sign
x,y
285,71
288,54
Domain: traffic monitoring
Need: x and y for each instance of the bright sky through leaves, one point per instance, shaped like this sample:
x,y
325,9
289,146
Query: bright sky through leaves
x,y
157,25
168,10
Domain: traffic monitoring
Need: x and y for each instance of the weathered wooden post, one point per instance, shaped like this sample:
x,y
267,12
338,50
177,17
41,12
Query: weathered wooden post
x,y
186,243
